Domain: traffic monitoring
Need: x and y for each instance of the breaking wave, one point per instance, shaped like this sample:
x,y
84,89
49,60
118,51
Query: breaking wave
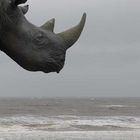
x,y
67,123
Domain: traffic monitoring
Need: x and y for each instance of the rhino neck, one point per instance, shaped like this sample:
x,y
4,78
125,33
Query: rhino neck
x,y
11,33
13,41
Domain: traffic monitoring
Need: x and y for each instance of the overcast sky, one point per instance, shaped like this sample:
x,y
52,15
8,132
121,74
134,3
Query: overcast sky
x,y
104,62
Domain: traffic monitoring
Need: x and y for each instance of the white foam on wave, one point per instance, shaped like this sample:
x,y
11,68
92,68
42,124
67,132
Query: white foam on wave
x,y
30,123
117,106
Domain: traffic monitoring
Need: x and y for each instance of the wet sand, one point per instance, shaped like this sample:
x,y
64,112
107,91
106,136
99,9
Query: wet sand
x,y
87,135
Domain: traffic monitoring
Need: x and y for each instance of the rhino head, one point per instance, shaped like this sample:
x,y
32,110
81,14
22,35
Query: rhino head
x,y
34,48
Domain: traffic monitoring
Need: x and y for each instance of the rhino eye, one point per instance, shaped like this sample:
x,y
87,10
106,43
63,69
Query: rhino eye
x,y
40,39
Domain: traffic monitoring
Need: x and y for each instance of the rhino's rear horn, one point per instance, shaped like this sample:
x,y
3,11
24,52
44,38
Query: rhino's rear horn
x,y
17,2
49,25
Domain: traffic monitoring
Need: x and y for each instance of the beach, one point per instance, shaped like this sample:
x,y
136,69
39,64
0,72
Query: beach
x,y
87,135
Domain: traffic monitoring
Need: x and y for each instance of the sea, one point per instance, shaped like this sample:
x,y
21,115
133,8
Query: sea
x,y
70,118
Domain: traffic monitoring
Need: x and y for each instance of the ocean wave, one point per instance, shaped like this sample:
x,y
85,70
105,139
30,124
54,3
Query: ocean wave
x,y
66,123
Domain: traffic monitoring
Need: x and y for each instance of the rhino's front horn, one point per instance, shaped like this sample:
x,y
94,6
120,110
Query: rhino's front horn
x,y
71,36
49,25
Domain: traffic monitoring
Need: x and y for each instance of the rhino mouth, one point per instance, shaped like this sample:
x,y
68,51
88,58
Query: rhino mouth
x,y
53,67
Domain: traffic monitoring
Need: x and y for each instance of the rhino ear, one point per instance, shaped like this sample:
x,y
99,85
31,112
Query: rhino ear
x,y
17,2
49,25
24,9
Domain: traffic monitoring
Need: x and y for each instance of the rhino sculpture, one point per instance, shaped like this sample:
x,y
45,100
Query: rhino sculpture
x,y
34,48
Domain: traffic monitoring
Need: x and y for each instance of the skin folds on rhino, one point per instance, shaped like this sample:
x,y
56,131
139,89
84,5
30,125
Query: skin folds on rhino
x,y
34,48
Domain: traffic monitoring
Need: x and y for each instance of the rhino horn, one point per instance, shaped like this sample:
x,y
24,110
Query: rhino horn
x,y
49,25
71,36
24,9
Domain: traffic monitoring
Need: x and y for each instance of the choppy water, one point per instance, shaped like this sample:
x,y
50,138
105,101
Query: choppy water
x,y
68,123
70,119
